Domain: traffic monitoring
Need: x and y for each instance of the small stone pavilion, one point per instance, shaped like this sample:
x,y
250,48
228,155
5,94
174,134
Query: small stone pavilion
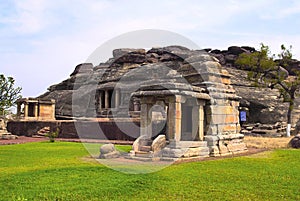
x,y
35,109
180,100
201,110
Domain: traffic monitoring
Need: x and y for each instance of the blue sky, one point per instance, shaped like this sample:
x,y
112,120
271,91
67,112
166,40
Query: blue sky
x,y
41,41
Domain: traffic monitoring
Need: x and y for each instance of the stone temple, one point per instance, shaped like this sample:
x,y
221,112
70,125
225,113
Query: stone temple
x,y
174,102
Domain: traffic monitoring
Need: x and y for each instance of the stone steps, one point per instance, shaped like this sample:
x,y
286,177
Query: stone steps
x,y
43,132
145,148
264,131
144,154
8,136
267,130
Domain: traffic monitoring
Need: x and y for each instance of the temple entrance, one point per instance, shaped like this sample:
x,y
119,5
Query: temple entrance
x,y
159,119
171,126
187,123
179,118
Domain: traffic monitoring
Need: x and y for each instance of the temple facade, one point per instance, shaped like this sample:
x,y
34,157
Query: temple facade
x,y
181,100
35,109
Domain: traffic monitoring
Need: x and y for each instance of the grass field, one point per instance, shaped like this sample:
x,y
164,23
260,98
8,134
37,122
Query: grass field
x,y
58,171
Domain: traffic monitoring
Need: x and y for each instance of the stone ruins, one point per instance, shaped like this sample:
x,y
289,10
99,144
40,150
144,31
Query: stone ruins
x,y
4,134
182,103
35,109
181,100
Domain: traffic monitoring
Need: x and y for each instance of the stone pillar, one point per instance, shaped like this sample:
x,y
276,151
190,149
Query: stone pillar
x,y
100,97
117,98
53,108
136,105
18,110
195,123
178,117
106,102
174,118
25,110
35,110
171,120
201,122
146,120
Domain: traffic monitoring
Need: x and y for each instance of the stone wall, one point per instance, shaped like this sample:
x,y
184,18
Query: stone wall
x,y
70,129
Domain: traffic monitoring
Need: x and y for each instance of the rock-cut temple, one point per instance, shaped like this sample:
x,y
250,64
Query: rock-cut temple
x,y
172,101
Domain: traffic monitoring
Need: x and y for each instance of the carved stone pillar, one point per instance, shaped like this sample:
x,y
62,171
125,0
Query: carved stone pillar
x,y
117,98
106,102
35,110
195,123
174,118
201,122
25,110
18,110
136,104
178,117
99,105
146,120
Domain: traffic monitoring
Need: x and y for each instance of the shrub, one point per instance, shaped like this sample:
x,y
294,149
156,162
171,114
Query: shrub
x,y
52,135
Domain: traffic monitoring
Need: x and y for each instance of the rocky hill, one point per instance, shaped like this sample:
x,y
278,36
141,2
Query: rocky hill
x,y
263,103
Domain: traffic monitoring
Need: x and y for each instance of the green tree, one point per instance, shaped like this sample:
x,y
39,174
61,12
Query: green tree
x,y
8,93
265,70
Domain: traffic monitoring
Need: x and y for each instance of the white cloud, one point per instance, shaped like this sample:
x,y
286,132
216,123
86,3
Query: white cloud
x,y
282,11
29,16
64,33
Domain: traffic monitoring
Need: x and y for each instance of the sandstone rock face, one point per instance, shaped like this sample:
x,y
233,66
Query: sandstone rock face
x,y
295,142
263,103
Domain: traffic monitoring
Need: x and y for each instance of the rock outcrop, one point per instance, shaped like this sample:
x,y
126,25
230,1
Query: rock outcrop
x,y
263,103
295,142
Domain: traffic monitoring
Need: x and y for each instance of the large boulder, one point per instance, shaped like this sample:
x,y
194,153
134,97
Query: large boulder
x,y
108,151
295,142
83,68
235,50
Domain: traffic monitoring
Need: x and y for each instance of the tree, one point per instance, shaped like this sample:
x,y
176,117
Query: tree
x,y
265,70
8,93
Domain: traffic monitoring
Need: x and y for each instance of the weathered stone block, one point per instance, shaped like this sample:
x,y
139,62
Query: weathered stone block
x,y
203,58
173,153
214,151
196,151
108,151
186,144
211,129
225,81
228,128
158,143
216,109
222,119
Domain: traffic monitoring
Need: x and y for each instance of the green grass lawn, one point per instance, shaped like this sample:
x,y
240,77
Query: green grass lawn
x,y
58,171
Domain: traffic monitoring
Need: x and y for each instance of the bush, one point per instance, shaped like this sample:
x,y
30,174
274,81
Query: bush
x,y
53,135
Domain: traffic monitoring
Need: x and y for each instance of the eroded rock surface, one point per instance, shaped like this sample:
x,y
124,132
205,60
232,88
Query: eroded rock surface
x,y
264,104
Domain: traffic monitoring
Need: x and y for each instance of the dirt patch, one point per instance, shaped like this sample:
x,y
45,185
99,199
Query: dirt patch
x,y
267,142
22,140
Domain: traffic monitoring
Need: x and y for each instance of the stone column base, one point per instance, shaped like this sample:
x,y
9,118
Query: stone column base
x,y
185,149
222,145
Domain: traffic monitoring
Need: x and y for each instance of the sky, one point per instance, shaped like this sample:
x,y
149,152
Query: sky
x,y
41,41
